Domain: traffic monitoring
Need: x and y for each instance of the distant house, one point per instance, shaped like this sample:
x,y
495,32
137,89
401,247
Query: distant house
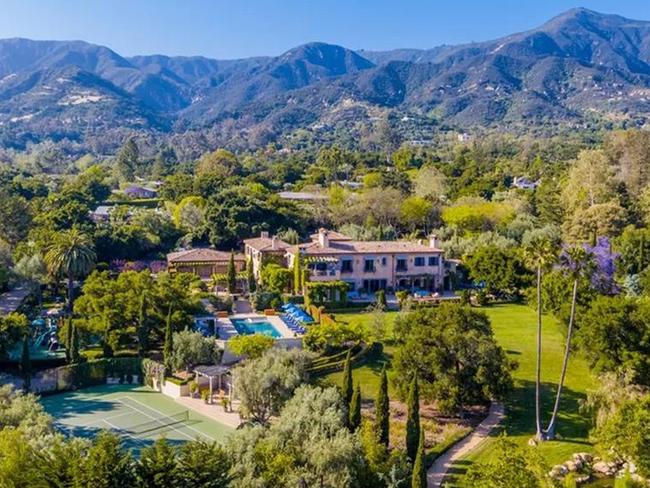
x,y
524,183
263,249
101,214
353,185
135,191
464,137
420,143
203,262
301,196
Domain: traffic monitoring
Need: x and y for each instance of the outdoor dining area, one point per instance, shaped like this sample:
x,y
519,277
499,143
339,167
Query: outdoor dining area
x,y
216,381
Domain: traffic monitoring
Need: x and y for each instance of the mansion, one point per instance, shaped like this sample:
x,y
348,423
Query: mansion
x,y
367,266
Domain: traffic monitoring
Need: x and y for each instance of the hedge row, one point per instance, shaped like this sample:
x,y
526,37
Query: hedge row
x,y
331,367
334,358
88,373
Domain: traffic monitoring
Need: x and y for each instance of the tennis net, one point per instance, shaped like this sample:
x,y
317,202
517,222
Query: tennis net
x,y
159,423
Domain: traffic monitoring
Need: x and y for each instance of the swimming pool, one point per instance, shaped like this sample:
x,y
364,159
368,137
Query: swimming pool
x,y
252,326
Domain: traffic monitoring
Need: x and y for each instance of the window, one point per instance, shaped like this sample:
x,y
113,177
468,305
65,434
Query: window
x,y
401,264
346,266
419,261
369,266
383,261
373,286
434,260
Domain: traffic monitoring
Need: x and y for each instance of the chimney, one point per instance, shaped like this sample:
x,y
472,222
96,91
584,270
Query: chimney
x,y
433,241
264,234
323,239
274,243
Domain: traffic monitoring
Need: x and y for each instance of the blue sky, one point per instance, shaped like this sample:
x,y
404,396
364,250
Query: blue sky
x,y
240,28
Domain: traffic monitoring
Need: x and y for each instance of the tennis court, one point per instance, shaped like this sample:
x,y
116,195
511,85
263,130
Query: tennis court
x,y
138,414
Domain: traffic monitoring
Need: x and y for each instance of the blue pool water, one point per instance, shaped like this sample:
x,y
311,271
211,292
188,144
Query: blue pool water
x,y
248,327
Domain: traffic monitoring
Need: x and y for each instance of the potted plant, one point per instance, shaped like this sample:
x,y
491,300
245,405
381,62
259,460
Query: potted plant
x,y
205,395
225,403
194,389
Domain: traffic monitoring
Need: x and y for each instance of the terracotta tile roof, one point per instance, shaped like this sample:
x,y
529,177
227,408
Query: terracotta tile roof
x,y
365,247
201,254
266,244
332,235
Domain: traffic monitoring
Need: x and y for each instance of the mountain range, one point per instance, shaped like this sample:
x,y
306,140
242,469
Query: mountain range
x,y
580,66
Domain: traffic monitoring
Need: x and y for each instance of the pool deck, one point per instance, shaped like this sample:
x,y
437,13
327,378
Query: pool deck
x,y
227,329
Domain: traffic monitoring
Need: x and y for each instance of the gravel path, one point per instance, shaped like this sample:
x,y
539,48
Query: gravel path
x,y
444,463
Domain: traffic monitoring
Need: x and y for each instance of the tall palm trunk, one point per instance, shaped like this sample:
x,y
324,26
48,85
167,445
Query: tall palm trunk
x,y
550,432
538,379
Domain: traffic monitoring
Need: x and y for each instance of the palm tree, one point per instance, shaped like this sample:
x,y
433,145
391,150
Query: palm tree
x,y
71,255
539,253
577,263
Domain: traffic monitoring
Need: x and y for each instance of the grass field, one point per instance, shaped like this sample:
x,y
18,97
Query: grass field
x,y
138,414
514,328
367,373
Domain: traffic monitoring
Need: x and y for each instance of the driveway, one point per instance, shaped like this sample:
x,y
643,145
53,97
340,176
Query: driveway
x,y
437,472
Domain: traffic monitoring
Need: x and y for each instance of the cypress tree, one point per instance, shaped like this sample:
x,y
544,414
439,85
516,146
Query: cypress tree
x,y
382,411
68,340
297,275
355,409
348,386
419,476
143,327
26,364
168,346
231,274
74,344
380,297
250,276
413,420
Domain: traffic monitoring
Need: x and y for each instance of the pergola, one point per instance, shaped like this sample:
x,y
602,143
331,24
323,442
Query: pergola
x,y
214,371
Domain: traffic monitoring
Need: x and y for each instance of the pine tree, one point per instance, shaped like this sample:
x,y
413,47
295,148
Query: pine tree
x,y
413,420
297,275
168,346
127,161
165,163
250,276
75,357
231,274
419,476
157,466
143,327
26,364
355,410
348,386
382,410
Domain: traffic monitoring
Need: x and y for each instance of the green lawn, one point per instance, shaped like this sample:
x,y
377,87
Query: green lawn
x,y
369,371
514,328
